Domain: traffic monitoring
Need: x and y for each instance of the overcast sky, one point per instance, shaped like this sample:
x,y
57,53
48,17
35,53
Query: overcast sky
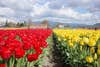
x,y
80,11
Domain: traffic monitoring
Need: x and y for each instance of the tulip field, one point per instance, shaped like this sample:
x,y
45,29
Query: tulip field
x,y
27,47
22,48
78,48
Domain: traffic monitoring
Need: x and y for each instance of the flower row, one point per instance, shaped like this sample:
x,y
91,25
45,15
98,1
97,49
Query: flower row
x,y
79,48
22,43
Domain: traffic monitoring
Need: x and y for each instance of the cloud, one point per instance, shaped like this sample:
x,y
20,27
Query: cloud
x,y
66,9
15,8
63,10
45,11
6,11
69,12
17,5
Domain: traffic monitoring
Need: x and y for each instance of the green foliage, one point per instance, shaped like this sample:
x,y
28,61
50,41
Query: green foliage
x,y
73,57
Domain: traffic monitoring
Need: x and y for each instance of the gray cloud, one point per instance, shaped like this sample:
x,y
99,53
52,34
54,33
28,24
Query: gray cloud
x,y
16,8
62,9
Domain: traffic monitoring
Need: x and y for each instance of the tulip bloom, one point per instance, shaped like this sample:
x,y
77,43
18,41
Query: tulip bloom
x,y
19,53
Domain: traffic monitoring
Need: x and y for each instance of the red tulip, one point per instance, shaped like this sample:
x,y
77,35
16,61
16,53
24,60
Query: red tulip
x,y
19,53
39,51
2,65
32,57
27,46
17,43
5,53
11,46
44,44
2,42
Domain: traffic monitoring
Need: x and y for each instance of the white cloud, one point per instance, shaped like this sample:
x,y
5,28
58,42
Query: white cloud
x,y
20,8
62,10
18,5
6,11
38,9
69,12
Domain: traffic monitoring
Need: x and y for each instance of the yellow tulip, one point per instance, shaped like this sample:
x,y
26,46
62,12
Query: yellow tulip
x,y
86,40
98,51
89,59
92,49
81,43
95,56
76,39
91,43
70,44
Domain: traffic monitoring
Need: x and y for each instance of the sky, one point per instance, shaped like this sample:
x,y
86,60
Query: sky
x,y
65,11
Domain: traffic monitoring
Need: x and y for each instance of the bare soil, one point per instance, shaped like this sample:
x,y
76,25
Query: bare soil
x,y
53,59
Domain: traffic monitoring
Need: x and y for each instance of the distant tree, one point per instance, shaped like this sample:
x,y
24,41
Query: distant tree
x,y
17,25
25,23
6,24
20,24
46,22
10,24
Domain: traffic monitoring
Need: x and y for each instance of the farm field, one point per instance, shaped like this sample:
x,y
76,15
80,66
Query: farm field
x,y
78,47
49,33
21,47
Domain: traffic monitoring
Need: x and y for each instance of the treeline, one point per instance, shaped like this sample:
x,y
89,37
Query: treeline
x,y
18,24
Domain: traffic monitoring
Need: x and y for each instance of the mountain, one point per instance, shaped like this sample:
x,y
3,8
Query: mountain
x,y
71,24
51,23
74,25
97,25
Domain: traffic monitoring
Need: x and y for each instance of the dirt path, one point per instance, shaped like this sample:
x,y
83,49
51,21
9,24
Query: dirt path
x,y
53,59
